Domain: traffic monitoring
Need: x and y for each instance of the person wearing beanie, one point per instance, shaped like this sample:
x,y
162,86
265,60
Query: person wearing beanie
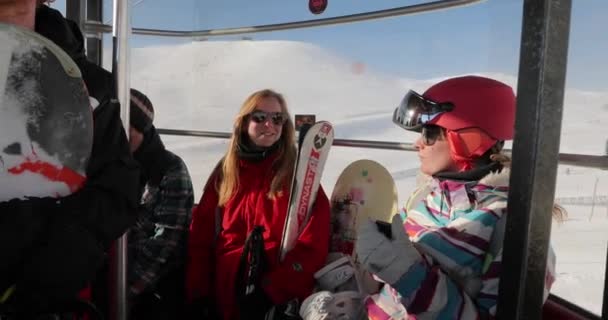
x,y
157,242
443,258
233,266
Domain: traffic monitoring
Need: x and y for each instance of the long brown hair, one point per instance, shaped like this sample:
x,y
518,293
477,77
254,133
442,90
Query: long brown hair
x,y
283,165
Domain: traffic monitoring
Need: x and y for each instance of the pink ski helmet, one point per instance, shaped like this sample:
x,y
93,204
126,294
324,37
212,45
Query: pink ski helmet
x,y
478,102
460,103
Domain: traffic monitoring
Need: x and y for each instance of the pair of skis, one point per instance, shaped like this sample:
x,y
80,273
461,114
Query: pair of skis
x,y
364,190
313,150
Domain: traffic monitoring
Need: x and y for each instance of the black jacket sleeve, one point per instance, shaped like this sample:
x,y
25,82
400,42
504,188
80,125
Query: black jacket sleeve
x,y
107,204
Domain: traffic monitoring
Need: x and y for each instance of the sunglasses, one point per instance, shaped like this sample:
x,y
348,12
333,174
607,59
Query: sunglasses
x,y
415,111
277,118
430,134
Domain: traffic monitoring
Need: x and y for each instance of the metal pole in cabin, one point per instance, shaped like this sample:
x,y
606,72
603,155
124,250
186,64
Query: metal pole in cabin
x,y
351,18
120,69
75,11
540,95
81,12
605,297
94,40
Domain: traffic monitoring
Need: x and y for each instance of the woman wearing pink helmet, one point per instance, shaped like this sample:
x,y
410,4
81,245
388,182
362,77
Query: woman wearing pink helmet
x,y
444,255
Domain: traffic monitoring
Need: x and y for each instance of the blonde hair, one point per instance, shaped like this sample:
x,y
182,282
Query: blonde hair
x,y
558,212
283,166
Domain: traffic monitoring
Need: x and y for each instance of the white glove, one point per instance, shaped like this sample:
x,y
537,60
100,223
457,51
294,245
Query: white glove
x,y
339,275
324,305
387,258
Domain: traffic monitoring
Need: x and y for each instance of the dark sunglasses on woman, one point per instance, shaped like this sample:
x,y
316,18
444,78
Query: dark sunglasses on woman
x,y
277,118
430,134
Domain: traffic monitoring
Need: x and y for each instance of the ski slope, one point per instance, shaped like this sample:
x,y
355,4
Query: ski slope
x,y
200,86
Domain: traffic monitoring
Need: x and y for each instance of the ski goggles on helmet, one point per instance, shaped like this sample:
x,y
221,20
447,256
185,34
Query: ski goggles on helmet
x,y
416,110
277,118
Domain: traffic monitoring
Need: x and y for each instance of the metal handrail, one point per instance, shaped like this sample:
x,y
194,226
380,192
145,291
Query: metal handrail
x,y
370,144
572,159
120,69
95,26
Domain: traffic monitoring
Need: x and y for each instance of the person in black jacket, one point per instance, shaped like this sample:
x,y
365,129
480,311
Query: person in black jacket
x,y
51,248
157,241
112,165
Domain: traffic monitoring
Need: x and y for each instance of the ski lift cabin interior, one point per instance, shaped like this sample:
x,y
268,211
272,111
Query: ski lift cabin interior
x,y
544,39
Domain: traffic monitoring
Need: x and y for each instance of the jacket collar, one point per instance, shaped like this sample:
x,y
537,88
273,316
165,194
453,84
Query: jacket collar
x,y
267,161
496,178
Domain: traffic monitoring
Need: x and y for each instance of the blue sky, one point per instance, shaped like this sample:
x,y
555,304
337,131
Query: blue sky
x,y
479,38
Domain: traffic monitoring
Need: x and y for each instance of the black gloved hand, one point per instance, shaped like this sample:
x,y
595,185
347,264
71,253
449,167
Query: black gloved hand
x,y
286,311
255,305
199,309
22,223
29,205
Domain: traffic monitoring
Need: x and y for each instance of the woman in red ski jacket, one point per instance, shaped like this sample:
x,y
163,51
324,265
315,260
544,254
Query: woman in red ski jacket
x,y
250,188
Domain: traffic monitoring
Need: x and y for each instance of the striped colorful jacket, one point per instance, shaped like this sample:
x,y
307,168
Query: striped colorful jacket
x,y
458,228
